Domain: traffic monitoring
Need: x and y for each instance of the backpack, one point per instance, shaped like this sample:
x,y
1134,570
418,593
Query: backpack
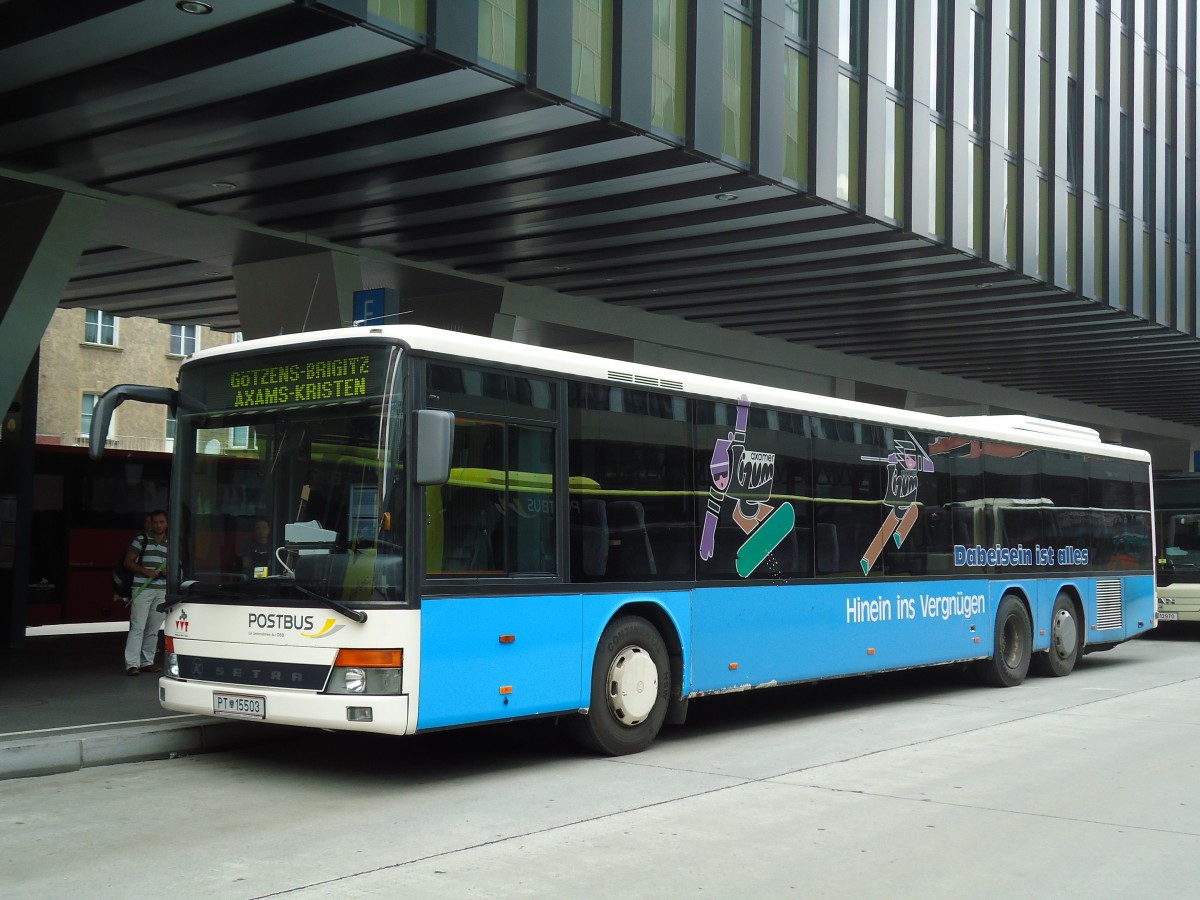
x,y
122,578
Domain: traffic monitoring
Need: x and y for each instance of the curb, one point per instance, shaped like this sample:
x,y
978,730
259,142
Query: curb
x,y
44,754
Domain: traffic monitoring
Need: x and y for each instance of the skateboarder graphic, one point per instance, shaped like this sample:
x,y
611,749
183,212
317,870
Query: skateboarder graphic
x,y
752,474
905,465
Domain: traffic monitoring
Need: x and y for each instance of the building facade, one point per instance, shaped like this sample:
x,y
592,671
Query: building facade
x,y
85,352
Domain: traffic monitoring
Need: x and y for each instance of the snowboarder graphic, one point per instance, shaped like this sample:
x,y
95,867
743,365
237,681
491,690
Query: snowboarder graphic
x,y
752,473
904,467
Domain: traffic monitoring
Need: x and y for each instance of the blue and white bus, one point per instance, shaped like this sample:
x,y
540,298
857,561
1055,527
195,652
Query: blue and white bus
x,y
460,530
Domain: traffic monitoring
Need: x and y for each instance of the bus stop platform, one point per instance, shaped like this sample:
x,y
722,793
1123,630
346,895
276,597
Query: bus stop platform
x,y
66,704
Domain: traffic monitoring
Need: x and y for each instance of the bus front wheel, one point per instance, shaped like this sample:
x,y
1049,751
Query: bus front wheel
x,y
631,684
1012,645
1065,638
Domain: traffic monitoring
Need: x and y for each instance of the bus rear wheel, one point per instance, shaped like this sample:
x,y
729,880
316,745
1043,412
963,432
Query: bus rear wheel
x,y
1065,638
631,684
1012,645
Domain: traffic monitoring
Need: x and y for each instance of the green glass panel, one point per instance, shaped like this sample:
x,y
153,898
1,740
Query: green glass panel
x,y
1014,94
1147,274
409,13
502,28
1043,263
976,197
795,121
669,61
1012,213
591,51
937,181
736,89
852,114
1072,244
900,168
1123,264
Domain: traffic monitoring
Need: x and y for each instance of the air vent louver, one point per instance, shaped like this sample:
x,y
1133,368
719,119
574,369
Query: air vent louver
x,y
1108,605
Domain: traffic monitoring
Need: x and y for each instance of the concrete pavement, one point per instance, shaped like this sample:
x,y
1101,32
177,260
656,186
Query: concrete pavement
x,y
66,703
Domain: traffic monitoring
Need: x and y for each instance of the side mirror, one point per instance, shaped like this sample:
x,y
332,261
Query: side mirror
x,y
435,442
114,397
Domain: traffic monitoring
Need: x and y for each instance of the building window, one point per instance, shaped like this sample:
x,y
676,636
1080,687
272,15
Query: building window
x,y
239,437
669,66
795,18
979,72
592,52
849,132
87,409
170,426
896,49
1074,133
797,85
100,328
977,120
185,339
1102,135
937,71
938,109
895,111
502,27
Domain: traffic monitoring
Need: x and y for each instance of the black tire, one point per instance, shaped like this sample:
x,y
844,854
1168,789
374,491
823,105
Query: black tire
x,y
631,687
1066,639
1012,645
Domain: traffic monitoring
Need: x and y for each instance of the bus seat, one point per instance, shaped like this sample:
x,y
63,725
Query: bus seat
x,y
593,535
804,551
828,556
472,518
629,554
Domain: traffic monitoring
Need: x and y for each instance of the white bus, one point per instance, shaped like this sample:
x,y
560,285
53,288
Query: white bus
x,y
1177,519
462,530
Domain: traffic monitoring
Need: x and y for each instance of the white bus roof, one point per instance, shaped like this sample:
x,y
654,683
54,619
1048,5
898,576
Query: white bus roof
x,y
1024,430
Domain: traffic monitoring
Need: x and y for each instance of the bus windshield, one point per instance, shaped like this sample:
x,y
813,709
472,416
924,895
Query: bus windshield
x,y
289,498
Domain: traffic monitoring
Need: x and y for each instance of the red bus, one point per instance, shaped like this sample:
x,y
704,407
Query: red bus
x,y
84,514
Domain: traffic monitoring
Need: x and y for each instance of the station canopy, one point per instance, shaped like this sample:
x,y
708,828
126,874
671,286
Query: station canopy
x,y
229,138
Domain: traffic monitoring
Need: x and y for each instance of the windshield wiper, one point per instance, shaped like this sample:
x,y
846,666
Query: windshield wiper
x,y
336,605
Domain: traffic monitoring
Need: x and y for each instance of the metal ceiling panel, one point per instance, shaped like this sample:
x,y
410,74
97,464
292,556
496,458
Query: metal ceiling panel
x,y
271,126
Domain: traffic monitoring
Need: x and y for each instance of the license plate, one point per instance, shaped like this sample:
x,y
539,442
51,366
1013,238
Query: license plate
x,y
1168,617
241,706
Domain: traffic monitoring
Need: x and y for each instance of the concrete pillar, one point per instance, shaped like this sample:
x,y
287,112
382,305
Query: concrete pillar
x,y
298,293
42,234
17,429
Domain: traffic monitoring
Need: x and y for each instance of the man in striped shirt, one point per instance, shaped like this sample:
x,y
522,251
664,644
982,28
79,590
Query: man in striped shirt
x,y
149,591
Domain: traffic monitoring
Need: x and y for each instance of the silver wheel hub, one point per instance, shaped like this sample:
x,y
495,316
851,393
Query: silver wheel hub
x,y
1063,633
632,685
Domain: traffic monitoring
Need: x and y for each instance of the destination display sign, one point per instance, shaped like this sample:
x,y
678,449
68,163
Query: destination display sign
x,y
293,378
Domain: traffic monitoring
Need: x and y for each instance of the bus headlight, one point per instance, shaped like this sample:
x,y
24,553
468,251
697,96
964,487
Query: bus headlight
x,y
355,680
367,672
170,657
